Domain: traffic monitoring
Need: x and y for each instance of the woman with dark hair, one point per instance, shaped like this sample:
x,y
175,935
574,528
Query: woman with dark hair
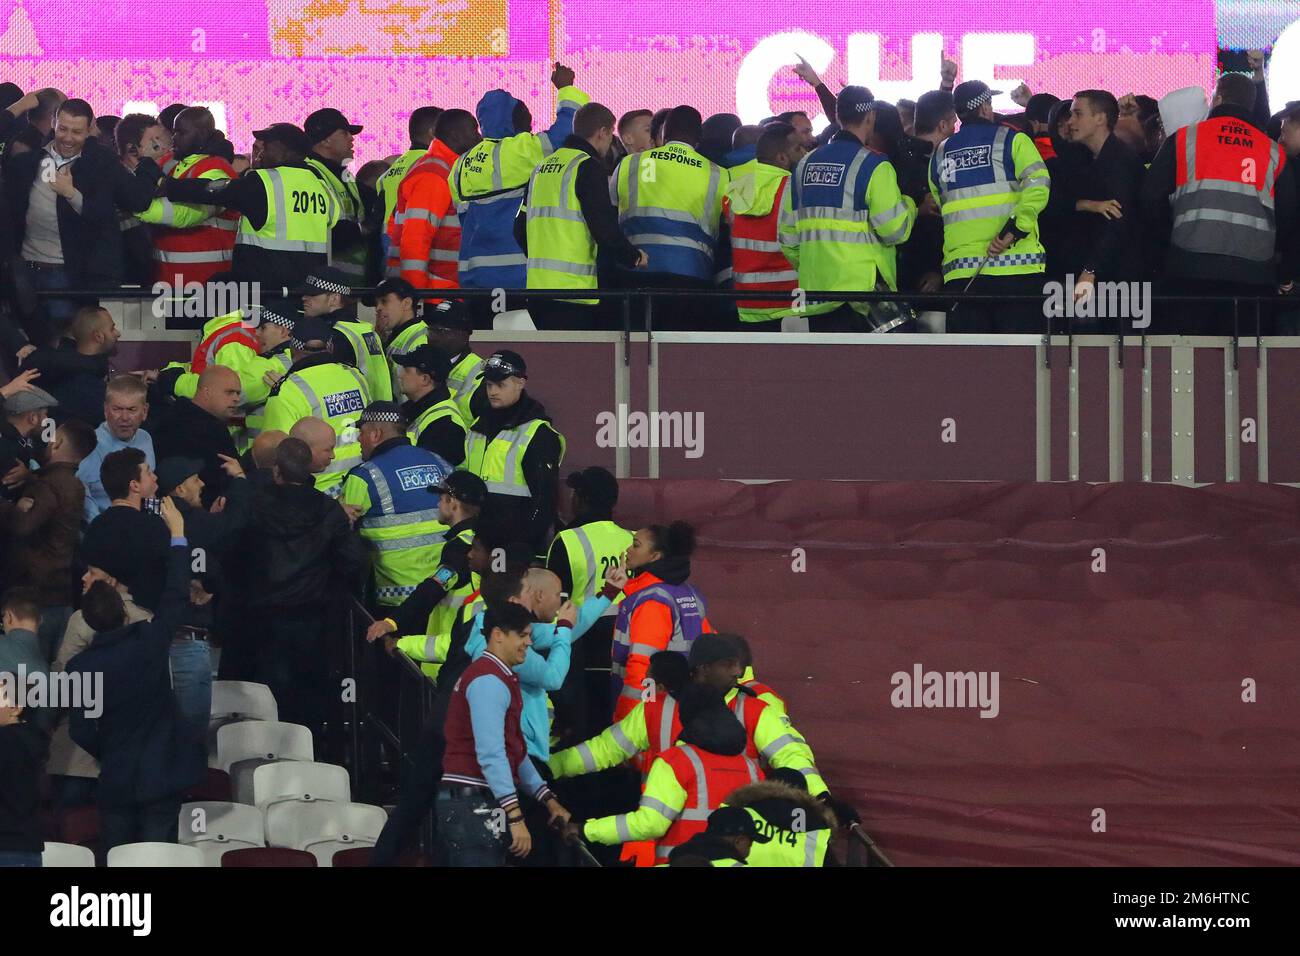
x,y
661,611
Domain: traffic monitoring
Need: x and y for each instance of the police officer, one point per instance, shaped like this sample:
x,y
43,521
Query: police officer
x,y
386,496
328,295
580,555
435,420
568,217
275,323
319,385
488,181
991,184
461,497
516,450
670,205
286,212
331,148
450,327
843,216
398,321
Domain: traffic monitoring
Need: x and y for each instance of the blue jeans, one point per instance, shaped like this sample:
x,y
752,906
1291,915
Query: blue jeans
x,y
465,830
191,665
58,312
8,859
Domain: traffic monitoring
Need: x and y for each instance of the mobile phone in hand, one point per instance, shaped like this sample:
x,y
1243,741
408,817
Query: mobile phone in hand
x,y
152,505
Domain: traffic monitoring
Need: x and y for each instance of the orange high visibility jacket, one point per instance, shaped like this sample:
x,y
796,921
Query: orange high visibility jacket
x,y
424,231
757,262
708,780
194,252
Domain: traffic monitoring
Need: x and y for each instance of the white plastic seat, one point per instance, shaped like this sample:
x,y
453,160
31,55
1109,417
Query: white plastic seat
x,y
210,822
154,854
300,781
322,828
516,320
66,854
243,700
262,739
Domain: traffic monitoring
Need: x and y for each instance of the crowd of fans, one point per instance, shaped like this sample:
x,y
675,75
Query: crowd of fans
x,y
305,458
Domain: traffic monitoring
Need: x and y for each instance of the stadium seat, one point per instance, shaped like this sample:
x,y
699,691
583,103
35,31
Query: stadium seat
x,y
214,788
216,828
66,855
301,781
357,856
276,857
263,739
323,828
236,700
154,854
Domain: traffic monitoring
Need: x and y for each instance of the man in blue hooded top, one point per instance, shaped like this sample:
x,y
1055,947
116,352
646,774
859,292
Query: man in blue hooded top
x,y
488,182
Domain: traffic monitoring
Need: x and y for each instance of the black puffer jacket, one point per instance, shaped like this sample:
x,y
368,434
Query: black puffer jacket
x,y
300,548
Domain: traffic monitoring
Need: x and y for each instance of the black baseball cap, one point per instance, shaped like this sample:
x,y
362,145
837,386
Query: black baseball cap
x,y
321,124
428,359
972,94
397,286
389,412
463,486
448,314
176,471
596,485
735,821
285,133
327,279
503,365
711,648
1039,105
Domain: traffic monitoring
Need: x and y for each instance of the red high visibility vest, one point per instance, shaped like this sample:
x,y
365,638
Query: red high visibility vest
x,y
1045,147
708,780
206,351
757,263
1225,183
196,253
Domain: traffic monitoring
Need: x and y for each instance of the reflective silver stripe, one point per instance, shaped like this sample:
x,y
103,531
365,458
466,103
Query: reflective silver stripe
x,y
645,650
657,239
413,265
547,146
999,211
554,212
809,771
559,265
220,222
167,213
1271,176
403,544
972,192
281,245
662,852
633,185
211,255
620,825
443,255
739,710
415,213
381,487
632,693
659,807
750,278
889,215
810,846
707,222
663,212
1222,186
344,465
1028,171
1219,215
832,212
666,723
408,517
755,245
312,398
488,262
753,770
1000,172
497,182
848,201
589,557
772,749
836,235
701,784
588,758
624,744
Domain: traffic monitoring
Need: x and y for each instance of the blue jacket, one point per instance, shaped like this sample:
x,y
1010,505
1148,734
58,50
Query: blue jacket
x,y
540,673
738,157
487,220
138,739
88,470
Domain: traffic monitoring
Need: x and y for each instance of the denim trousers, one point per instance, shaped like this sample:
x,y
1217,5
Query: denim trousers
x,y
471,830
